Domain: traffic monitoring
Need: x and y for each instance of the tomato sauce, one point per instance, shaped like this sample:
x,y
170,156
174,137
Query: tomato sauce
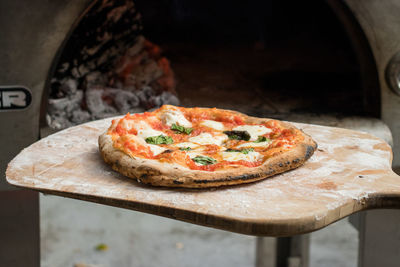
x,y
138,149
120,130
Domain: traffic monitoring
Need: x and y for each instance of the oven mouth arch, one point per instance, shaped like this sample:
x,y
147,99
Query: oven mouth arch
x,y
356,36
55,62
362,49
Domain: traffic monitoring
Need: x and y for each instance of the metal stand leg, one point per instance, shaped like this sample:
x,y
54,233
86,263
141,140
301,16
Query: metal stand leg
x,y
19,228
283,251
379,238
265,252
293,251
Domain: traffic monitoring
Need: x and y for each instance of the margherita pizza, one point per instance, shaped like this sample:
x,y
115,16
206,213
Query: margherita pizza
x,y
202,147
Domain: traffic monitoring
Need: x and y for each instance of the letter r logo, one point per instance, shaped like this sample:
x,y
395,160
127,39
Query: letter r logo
x,y
13,98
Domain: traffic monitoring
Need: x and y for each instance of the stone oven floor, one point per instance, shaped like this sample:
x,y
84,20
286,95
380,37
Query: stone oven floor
x,y
82,234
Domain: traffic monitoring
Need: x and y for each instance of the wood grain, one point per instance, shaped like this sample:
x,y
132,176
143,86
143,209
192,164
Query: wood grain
x,y
350,171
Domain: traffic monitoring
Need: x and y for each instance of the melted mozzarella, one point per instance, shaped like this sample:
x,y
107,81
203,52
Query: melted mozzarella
x,y
144,130
172,116
193,154
251,144
208,139
186,144
216,125
254,130
156,149
127,124
236,156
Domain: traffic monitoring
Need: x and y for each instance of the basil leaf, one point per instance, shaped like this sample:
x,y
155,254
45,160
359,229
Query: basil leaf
x,y
261,139
181,129
247,150
185,148
232,150
158,140
238,135
203,160
244,151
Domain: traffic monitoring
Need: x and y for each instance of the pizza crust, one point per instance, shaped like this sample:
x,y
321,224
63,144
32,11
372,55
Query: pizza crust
x,y
157,173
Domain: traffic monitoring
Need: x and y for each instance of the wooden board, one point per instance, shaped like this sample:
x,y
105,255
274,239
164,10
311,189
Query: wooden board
x,y
350,171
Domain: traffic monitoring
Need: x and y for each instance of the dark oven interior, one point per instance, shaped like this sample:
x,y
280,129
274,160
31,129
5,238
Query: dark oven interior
x,y
264,58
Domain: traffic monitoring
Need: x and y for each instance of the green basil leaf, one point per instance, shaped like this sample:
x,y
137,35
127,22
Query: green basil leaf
x,y
238,135
203,160
232,150
158,140
247,150
244,151
181,129
185,148
261,139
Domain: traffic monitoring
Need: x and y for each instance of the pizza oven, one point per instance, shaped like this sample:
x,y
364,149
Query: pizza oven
x,y
69,62
317,62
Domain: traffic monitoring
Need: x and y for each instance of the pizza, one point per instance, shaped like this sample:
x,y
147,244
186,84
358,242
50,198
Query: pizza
x,y
202,147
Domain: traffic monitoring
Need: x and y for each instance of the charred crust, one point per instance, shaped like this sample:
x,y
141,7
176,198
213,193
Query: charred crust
x,y
144,176
167,151
309,152
285,164
295,161
148,171
230,178
177,182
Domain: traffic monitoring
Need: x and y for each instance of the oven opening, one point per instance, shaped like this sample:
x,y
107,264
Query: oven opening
x,y
258,57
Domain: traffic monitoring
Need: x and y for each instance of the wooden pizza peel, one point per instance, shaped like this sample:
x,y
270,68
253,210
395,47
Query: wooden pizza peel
x,y
350,172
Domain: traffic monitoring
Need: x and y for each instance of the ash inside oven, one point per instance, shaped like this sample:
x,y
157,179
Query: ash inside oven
x,y
108,68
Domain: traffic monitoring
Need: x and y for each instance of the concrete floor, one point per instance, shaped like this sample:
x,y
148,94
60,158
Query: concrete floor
x,y
78,233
